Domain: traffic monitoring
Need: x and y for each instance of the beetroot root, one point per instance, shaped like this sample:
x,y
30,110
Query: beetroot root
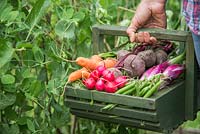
x,y
148,56
134,65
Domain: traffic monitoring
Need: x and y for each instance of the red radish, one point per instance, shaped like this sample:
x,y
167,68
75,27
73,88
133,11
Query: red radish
x,y
109,76
95,74
110,87
101,69
105,72
121,81
99,85
89,83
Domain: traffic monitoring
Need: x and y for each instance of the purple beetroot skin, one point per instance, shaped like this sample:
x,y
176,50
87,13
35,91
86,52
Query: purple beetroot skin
x,y
174,71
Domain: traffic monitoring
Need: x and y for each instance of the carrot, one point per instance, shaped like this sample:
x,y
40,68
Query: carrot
x,y
94,61
90,64
108,63
78,74
96,57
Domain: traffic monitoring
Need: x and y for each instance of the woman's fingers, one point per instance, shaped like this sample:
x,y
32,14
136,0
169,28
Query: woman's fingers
x,y
142,37
153,40
146,37
132,37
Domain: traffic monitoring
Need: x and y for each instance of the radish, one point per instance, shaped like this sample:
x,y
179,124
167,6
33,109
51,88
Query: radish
x,y
95,74
110,87
105,72
121,81
101,69
89,83
108,76
99,86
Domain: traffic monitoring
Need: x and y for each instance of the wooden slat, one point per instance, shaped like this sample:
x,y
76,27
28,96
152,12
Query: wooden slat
x,y
168,89
117,111
119,120
158,33
97,41
191,81
171,108
131,101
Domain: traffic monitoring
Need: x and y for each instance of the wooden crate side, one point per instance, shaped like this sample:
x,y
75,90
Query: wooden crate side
x,y
171,108
191,81
132,101
119,111
118,120
168,89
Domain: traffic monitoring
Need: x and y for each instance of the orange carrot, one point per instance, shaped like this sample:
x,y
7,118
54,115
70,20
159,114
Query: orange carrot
x,y
97,58
90,64
94,61
108,63
78,74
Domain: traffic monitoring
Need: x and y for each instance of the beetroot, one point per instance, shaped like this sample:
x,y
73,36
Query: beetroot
x,y
110,87
148,56
134,65
89,83
161,56
121,54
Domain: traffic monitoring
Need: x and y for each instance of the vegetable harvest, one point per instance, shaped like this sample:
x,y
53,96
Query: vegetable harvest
x,y
140,72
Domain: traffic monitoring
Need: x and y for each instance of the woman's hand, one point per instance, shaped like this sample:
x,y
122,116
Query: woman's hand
x,y
149,14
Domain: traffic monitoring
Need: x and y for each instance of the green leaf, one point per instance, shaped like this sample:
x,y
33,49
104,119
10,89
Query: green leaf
x,y
6,53
8,79
65,29
3,4
27,73
22,120
4,16
36,13
79,16
12,129
10,88
30,125
38,54
13,15
10,114
6,100
59,119
68,14
36,88
28,58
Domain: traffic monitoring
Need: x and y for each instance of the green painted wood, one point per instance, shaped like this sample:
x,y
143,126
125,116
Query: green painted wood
x,y
97,41
117,111
146,103
118,120
171,108
191,82
168,90
158,33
